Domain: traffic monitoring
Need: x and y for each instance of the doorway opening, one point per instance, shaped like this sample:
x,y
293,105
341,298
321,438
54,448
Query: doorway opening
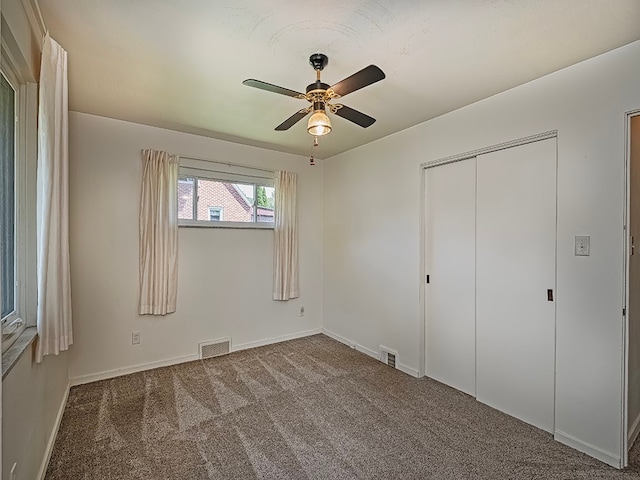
x,y
631,420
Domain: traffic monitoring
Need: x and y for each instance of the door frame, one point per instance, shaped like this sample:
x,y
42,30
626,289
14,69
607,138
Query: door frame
x,y
423,196
624,438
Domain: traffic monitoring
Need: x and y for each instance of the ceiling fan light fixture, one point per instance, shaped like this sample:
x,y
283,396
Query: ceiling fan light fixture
x,y
320,95
319,124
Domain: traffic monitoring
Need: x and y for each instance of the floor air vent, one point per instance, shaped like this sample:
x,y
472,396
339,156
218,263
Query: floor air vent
x,y
214,348
391,360
388,356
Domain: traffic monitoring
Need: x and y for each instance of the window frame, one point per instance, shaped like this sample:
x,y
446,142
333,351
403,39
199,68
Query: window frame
x,y
226,173
14,324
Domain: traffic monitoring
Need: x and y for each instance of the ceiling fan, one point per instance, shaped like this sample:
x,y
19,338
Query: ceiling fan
x,y
320,94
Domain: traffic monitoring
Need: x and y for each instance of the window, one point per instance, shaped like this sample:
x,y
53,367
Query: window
x,y
215,214
7,198
12,239
222,195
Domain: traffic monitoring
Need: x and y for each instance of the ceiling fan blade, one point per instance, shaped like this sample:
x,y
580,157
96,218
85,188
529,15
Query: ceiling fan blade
x,y
271,88
358,80
292,120
355,116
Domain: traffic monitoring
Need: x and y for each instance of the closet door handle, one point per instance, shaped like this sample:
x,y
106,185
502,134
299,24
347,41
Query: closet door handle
x,y
550,295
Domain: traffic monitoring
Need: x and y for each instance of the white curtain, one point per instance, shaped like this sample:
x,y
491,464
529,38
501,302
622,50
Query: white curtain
x,y
54,279
159,233
285,245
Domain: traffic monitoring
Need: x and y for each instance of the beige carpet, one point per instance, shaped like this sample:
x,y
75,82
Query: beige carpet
x,y
308,408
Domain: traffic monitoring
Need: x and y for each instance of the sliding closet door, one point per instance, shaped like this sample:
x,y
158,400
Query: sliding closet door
x,y
450,202
515,245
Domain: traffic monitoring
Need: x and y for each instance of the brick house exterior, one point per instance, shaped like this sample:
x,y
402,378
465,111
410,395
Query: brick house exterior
x,y
217,201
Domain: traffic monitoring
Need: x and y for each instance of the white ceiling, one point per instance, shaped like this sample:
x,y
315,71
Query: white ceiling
x,y
180,64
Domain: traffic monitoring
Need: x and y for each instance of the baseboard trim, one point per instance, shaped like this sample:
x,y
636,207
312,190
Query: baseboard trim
x,y
349,343
408,370
272,340
118,372
94,377
372,353
54,434
633,432
591,450
337,337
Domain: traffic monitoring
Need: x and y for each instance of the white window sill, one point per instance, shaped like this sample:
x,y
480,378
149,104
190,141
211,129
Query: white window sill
x,y
11,356
205,224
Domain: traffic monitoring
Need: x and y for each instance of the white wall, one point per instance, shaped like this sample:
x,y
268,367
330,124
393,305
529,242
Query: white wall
x,y
371,236
33,400
225,275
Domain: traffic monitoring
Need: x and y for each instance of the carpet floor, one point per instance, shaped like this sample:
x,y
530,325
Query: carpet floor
x,y
307,408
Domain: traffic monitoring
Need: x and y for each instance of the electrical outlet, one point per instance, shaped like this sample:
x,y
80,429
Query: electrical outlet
x,y
135,338
302,311
13,471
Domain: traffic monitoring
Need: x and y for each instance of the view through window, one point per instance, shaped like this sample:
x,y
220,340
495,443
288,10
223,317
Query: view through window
x,y
7,199
210,200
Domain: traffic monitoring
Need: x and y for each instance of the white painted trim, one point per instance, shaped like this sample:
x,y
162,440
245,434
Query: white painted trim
x,y
626,212
54,434
341,339
193,162
270,341
493,148
422,337
94,377
32,9
223,224
591,450
408,370
625,434
349,343
372,353
633,432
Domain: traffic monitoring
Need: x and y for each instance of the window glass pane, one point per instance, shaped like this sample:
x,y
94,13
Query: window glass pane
x,y
247,191
231,199
209,200
185,197
7,196
265,203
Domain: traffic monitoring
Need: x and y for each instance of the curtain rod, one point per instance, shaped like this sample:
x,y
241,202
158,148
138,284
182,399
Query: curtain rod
x,y
226,163
241,175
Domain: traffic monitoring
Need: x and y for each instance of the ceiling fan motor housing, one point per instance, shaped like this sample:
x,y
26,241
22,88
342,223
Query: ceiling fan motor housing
x,y
317,86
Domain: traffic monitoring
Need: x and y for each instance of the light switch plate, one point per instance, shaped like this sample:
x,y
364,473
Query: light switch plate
x,y
582,245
